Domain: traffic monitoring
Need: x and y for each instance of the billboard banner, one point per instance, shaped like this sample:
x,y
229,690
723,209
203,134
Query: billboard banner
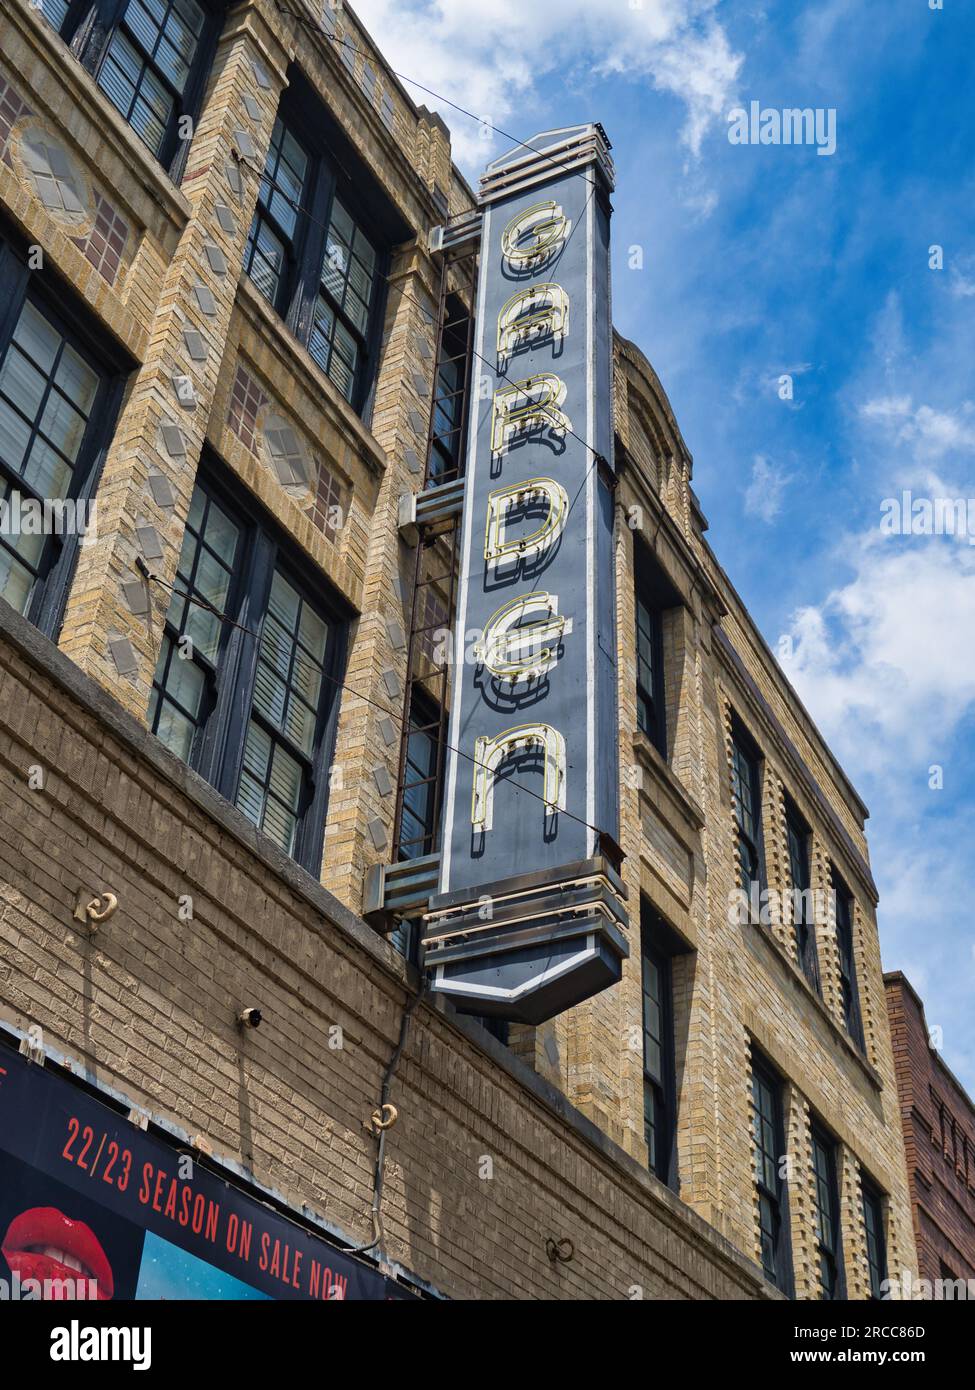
x,y
527,920
92,1207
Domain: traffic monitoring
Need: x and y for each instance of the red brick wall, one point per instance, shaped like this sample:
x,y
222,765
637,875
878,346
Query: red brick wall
x,y
939,1135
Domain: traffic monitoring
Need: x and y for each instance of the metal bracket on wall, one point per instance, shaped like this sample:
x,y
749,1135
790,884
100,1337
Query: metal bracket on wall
x,y
442,503
463,233
395,891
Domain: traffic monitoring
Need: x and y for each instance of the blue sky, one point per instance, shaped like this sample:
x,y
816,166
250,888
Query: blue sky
x,y
760,261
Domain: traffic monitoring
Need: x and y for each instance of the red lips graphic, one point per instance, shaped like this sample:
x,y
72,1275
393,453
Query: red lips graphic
x,y
37,1242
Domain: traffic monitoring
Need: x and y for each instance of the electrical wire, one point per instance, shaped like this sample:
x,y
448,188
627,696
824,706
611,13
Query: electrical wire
x,y
414,82
154,578
400,289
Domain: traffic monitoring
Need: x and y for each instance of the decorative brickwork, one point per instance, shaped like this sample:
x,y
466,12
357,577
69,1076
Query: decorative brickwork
x,y
210,364
939,1135
104,245
247,401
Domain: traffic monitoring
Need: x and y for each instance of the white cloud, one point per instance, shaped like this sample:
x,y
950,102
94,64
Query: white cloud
x,y
928,432
763,496
886,664
488,56
961,277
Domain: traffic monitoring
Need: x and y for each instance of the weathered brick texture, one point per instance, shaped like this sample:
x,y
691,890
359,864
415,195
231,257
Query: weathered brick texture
x,y
486,1161
149,1001
939,1134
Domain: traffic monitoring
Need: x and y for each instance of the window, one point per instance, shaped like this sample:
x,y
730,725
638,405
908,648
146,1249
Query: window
x,y
450,401
420,812
654,594
827,1209
769,1144
245,682
150,58
271,240
797,838
849,993
659,1087
58,400
315,249
873,1225
747,796
418,827
649,666
338,340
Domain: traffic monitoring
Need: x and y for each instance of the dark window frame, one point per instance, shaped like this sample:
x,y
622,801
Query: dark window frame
x,y
650,704
658,946
654,593
424,721
874,1206
845,919
773,1198
451,405
750,844
88,28
825,1172
60,306
328,180
217,752
798,844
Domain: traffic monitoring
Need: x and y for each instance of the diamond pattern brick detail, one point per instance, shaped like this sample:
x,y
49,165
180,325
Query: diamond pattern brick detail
x,y
330,495
247,400
104,245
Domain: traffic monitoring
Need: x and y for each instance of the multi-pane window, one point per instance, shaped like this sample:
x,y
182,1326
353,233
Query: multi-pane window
x,y
418,815
150,58
768,1136
827,1213
747,797
649,674
450,399
310,251
271,241
339,336
185,681
281,734
246,675
57,402
849,994
797,840
654,594
147,64
873,1226
658,1058
419,812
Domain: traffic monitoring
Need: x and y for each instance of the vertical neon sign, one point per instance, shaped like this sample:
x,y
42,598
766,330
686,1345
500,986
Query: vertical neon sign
x,y
528,918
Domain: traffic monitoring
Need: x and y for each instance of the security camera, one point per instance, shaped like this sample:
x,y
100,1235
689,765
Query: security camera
x,y
249,1018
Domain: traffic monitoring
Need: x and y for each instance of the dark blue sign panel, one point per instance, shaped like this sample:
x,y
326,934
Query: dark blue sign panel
x,y
531,795
91,1207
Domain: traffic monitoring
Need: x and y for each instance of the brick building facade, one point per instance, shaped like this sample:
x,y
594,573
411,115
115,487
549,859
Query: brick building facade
x,y
938,1117
224,324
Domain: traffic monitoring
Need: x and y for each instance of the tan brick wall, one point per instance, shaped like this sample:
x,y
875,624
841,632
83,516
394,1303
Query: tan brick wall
x,y
256,932
149,1001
